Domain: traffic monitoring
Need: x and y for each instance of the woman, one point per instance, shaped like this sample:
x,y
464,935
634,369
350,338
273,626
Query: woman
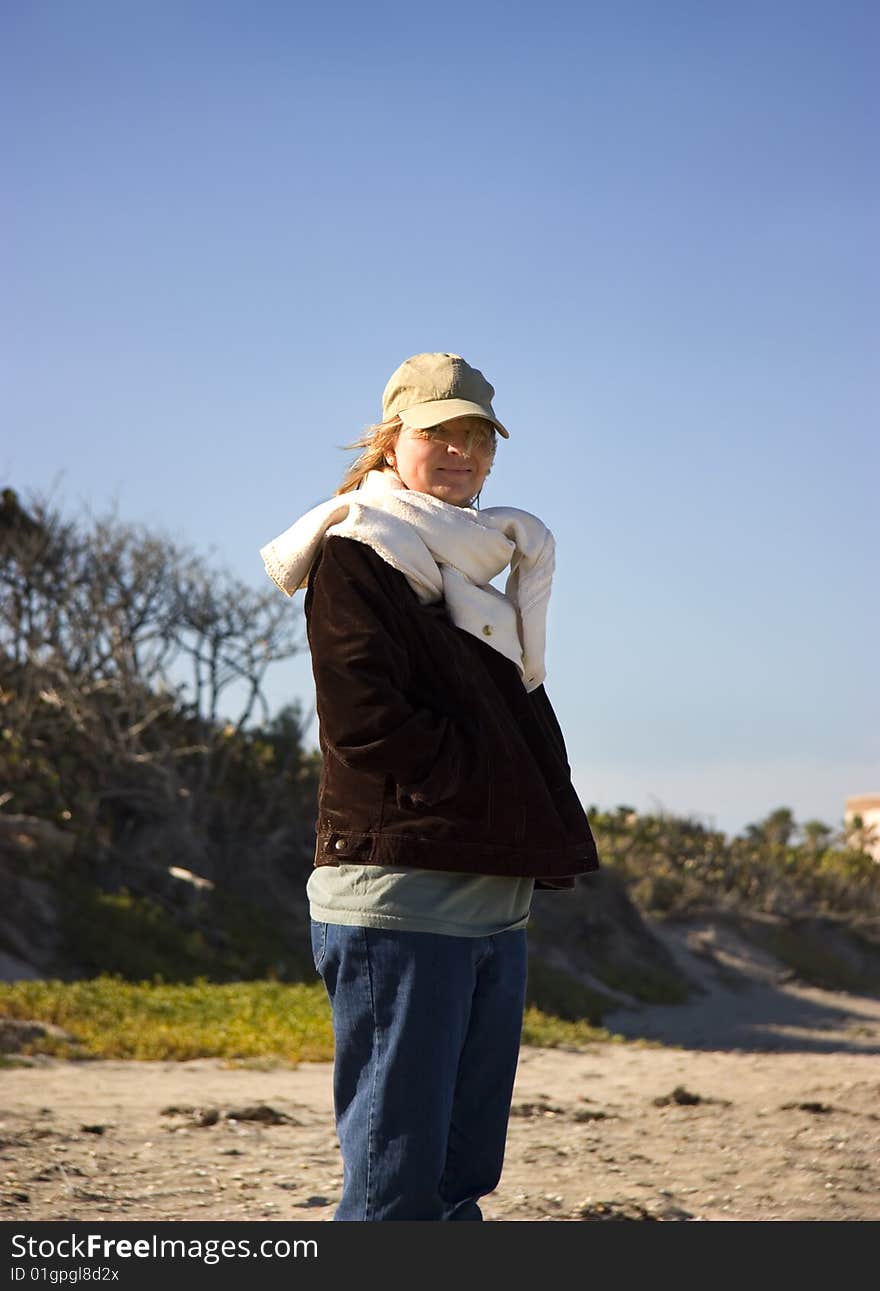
x,y
445,795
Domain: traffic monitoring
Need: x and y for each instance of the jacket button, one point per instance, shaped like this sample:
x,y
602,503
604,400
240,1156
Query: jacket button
x,y
340,845
487,629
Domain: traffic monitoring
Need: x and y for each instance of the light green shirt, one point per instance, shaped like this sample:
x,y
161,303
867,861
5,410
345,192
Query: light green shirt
x,y
457,905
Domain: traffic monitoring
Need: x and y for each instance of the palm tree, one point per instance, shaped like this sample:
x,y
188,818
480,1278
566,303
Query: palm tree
x,y
777,827
817,835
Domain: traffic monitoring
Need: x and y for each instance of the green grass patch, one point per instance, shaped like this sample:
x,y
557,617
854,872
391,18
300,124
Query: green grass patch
x,y
112,1018
247,1023
548,1032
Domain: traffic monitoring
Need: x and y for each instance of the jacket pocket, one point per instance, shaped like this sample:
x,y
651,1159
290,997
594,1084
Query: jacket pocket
x,y
468,808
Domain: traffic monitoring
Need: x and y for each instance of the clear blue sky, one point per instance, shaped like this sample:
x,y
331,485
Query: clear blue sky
x,y
652,225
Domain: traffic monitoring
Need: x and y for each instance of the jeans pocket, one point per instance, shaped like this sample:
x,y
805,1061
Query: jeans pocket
x,y
319,943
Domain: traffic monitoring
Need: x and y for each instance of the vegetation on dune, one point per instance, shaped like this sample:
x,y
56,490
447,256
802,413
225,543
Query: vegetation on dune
x,y
674,866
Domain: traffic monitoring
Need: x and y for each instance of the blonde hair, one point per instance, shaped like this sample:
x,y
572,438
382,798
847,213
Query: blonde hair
x,y
376,440
379,438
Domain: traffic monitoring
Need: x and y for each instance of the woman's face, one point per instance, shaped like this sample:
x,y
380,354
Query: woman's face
x,y
437,461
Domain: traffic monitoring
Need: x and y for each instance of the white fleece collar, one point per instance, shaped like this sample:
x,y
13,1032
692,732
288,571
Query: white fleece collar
x,y
445,552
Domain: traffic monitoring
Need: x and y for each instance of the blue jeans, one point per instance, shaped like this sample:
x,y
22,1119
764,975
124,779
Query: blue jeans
x,y
427,1031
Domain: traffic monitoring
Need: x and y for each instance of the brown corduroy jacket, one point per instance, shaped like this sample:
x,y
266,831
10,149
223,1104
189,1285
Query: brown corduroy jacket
x,y
434,754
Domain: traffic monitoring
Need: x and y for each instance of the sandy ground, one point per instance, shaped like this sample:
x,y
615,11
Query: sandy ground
x,y
758,1100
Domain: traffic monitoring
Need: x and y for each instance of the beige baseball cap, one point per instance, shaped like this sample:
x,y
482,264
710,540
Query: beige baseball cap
x,y
429,388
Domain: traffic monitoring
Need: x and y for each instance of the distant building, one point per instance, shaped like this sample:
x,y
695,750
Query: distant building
x,y
866,805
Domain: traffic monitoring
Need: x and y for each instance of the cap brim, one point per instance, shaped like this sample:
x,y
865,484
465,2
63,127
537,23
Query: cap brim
x,y
423,415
